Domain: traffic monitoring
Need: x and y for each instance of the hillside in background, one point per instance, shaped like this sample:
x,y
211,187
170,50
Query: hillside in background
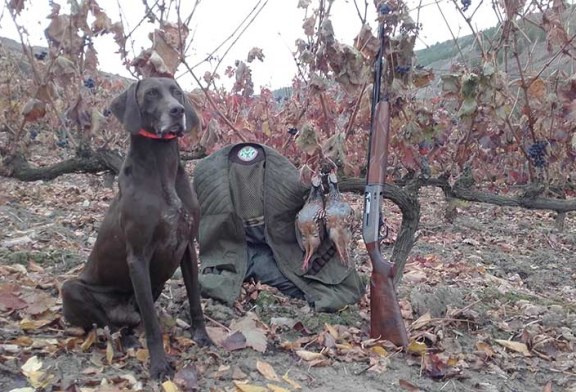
x,y
533,50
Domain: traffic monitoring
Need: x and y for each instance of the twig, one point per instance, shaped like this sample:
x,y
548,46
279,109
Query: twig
x,y
216,322
355,111
240,35
469,23
209,56
453,36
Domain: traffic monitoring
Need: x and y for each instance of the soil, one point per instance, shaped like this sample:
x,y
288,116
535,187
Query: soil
x,y
493,274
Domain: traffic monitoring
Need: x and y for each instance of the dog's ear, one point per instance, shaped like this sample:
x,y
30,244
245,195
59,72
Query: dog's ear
x,y
192,120
126,109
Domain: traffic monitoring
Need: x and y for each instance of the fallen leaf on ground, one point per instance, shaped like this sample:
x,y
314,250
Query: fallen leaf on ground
x,y
421,321
309,355
187,378
408,386
267,371
416,347
169,386
276,388
249,387
255,336
292,383
89,341
515,346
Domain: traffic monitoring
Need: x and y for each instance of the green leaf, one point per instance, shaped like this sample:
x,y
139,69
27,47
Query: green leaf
x,y
468,107
469,85
450,83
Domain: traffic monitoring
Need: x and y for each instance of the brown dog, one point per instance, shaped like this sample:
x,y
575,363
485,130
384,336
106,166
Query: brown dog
x,y
150,227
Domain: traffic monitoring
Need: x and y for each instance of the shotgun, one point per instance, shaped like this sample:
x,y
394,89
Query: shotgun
x,y
385,316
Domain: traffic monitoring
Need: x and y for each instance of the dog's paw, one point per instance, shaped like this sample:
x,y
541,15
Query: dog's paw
x,y
201,337
161,369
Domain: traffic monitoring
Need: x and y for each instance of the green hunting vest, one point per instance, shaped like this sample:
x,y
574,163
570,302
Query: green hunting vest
x,y
328,285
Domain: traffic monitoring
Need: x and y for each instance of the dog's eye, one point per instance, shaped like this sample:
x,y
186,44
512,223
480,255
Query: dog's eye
x,y
152,93
177,93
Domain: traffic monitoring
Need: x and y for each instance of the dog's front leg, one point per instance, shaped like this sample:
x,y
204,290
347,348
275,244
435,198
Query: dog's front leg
x,y
189,268
139,266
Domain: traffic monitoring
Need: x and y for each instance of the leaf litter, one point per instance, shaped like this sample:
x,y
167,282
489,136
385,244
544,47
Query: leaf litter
x,y
489,302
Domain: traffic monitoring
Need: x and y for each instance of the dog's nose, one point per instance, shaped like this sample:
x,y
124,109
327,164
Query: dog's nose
x,y
176,111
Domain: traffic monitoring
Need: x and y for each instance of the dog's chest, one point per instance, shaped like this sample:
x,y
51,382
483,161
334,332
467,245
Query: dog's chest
x,y
175,222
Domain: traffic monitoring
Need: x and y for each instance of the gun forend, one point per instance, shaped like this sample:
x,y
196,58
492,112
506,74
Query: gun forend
x,y
378,154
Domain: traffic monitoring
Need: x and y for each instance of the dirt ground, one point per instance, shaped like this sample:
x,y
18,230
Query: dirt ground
x,y
490,301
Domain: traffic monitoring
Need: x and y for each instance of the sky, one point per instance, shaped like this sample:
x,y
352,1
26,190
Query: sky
x,y
274,30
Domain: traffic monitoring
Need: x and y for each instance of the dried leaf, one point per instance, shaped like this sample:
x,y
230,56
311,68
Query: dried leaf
x,y
187,378
34,110
292,383
255,336
267,371
33,364
309,355
79,115
418,348
485,348
276,388
16,5
421,321
10,301
408,386
255,53
142,355
169,386
515,346
243,387
307,139
27,324
379,350
109,352
234,341
89,341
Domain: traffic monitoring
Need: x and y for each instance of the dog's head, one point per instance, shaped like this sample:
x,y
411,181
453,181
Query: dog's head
x,y
157,105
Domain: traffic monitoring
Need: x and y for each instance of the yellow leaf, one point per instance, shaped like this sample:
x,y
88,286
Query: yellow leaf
x,y
33,364
142,355
37,378
515,346
485,348
169,386
293,383
418,348
109,352
309,355
276,388
90,339
421,321
267,371
28,324
249,387
452,361
379,350
23,341
331,330
266,128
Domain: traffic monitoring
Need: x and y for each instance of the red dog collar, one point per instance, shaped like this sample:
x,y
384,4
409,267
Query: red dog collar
x,y
150,135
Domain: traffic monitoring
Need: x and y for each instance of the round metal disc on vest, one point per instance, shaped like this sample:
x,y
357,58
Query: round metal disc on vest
x,y
247,153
